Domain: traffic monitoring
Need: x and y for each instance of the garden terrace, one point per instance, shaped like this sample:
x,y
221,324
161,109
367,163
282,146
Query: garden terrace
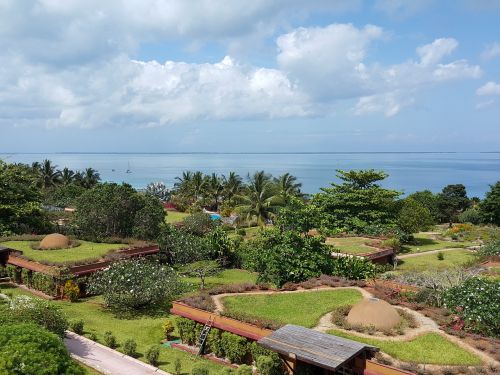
x,y
370,248
428,242
429,262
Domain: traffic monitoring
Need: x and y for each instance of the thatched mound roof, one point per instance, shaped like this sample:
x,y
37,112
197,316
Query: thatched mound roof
x,y
54,241
374,312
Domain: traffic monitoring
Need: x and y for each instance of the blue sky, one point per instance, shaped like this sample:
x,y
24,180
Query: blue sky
x,y
236,76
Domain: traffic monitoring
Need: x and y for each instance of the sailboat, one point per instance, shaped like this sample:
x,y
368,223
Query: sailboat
x,y
128,168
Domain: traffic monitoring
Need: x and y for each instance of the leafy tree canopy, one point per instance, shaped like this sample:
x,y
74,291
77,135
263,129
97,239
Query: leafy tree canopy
x,y
413,217
357,202
451,201
490,206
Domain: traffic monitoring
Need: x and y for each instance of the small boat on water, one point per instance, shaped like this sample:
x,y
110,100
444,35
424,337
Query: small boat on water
x,y
128,169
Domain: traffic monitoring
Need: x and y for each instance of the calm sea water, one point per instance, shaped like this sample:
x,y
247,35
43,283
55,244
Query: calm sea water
x,y
408,172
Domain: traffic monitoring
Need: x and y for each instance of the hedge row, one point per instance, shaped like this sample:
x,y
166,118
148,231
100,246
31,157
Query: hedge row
x,y
32,279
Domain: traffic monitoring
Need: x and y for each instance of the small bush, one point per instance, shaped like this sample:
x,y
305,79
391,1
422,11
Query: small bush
x,y
77,326
188,330
440,255
393,243
152,355
241,232
244,370
269,365
130,347
214,343
199,369
168,328
235,347
92,336
109,339
71,290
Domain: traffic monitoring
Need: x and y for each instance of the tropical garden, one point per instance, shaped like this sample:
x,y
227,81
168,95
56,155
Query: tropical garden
x,y
267,235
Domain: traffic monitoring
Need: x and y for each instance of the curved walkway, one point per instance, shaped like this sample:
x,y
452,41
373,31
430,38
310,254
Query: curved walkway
x,y
426,324
432,252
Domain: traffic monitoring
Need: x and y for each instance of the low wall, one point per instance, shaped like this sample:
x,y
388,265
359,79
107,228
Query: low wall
x,y
249,331
374,368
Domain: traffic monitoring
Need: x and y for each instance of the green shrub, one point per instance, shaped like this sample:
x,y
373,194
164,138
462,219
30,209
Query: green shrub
x,y
241,232
471,215
77,326
92,336
30,349
130,347
214,343
353,268
269,365
26,277
153,354
109,339
188,330
226,371
199,369
440,255
14,273
244,370
491,248
33,310
235,347
477,301
44,283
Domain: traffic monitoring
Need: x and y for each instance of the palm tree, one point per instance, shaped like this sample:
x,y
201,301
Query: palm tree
x,y
259,200
90,178
198,184
49,174
183,184
288,187
214,187
67,176
232,186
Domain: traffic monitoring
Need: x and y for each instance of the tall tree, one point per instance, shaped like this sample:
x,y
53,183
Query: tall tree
x,y
358,202
451,202
288,187
67,176
490,206
232,186
49,174
90,178
214,189
259,199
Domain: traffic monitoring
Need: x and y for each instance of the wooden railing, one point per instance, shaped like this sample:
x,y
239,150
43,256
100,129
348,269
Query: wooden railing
x,y
249,331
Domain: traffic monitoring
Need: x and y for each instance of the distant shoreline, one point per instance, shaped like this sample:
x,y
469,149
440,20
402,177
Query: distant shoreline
x,y
248,153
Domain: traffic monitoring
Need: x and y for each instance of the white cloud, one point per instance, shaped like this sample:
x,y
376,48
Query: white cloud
x,y
485,104
432,53
401,8
491,51
489,88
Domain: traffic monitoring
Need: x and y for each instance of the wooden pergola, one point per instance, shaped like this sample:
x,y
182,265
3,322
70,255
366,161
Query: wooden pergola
x,y
321,353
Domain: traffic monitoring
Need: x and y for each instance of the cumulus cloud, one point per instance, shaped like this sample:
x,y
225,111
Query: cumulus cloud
x,y
489,88
70,64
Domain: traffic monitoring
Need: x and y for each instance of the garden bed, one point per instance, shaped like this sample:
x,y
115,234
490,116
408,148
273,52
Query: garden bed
x,y
429,262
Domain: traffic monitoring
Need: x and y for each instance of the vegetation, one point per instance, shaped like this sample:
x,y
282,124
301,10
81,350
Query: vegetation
x,y
134,284
477,301
35,351
86,250
490,206
425,242
429,348
451,202
451,259
283,307
351,245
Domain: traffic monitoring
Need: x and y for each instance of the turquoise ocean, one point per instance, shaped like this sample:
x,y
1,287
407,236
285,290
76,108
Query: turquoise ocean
x,y
408,172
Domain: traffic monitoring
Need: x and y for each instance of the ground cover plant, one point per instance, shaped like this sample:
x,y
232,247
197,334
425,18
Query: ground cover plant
x,y
225,277
426,262
145,329
429,348
300,308
86,250
175,217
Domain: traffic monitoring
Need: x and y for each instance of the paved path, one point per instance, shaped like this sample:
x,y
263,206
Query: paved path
x,y
432,252
106,360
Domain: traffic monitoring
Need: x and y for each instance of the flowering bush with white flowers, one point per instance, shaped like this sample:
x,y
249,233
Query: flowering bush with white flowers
x,y
135,284
477,302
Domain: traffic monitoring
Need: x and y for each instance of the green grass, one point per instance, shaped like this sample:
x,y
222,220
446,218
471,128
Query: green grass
x,y
300,308
88,370
231,276
175,216
430,348
351,245
145,330
86,250
425,242
454,258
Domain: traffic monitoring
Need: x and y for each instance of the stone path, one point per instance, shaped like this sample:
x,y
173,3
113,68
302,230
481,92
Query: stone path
x,y
105,360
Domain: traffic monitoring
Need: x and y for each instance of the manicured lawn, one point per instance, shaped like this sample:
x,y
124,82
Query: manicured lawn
x,y
351,245
232,276
454,258
145,330
430,348
300,308
88,370
175,216
86,250
425,242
